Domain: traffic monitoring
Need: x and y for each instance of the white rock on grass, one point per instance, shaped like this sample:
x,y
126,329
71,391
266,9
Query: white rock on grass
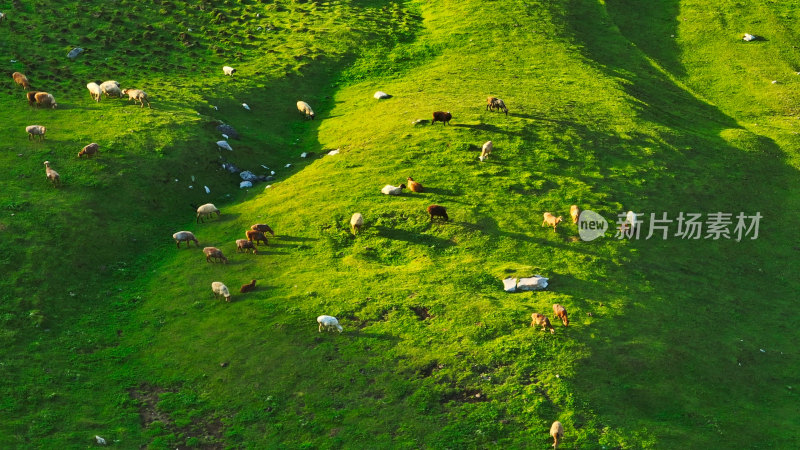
x,y
534,283
333,152
748,37
381,95
246,106
208,191
245,184
510,284
225,145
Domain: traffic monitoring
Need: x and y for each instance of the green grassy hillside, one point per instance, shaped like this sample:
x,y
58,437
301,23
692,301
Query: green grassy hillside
x,y
110,330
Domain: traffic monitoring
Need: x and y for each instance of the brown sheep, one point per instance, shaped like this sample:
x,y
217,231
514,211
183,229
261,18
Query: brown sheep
x,y
137,95
490,103
541,319
90,150
31,97
438,211
45,99
575,212
414,186
551,220
557,431
249,287
262,227
561,313
214,253
242,245
441,116
256,236
21,80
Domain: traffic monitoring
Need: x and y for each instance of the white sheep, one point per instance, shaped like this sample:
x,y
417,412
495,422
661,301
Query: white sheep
x,y
356,222
35,130
185,236
95,90
110,88
221,290
305,108
228,70
329,322
486,150
52,175
205,211
392,190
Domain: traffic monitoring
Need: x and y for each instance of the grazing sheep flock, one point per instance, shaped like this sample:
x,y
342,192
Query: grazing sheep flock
x,y
257,232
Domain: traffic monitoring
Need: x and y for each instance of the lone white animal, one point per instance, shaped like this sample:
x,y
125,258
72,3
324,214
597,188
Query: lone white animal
x,y
220,289
356,222
205,211
305,108
329,322
228,70
486,150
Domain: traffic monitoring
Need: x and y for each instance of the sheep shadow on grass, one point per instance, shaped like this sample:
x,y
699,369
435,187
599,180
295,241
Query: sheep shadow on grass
x,y
294,238
489,128
442,191
413,237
